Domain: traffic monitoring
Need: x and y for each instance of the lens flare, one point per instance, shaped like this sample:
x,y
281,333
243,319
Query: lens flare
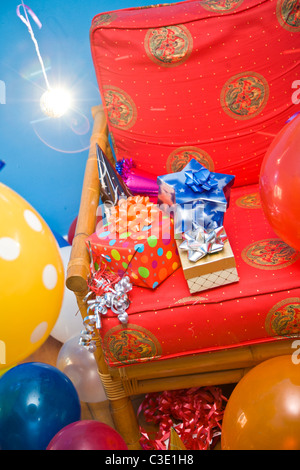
x,y
55,102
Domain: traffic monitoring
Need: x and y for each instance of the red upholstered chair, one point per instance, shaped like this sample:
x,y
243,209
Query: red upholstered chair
x,y
209,80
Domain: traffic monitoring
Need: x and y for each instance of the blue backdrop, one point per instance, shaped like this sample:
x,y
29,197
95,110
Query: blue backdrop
x,y
45,158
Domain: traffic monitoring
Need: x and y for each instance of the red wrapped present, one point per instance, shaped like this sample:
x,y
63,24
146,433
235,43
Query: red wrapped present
x,y
137,240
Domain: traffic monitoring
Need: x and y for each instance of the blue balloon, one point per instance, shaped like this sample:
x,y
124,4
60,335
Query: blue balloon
x,y
36,401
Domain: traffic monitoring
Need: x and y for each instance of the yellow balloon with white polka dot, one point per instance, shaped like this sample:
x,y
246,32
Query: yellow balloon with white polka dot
x,y
31,279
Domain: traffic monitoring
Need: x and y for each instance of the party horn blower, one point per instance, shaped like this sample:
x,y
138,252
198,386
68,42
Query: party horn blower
x,y
112,186
138,181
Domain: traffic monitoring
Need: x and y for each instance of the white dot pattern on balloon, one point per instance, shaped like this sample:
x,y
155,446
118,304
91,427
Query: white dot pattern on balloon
x,y
50,277
9,249
39,332
33,221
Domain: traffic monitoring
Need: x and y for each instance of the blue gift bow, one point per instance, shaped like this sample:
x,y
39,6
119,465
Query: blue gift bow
x,y
184,194
200,180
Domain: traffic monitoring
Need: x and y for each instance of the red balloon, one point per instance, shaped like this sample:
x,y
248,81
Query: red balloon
x,y
72,229
87,435
280,184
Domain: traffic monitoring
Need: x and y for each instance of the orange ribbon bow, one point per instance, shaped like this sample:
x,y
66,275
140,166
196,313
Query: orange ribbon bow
x,y
133,214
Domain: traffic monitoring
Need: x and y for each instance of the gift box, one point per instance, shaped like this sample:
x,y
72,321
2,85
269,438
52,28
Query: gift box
x,y
137,240
197,196
207,262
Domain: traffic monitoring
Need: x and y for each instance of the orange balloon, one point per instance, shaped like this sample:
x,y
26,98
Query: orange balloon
x,y
280,184
263,411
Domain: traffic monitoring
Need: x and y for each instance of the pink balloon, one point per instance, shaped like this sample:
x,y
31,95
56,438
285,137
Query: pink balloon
x,y
87,435
280,183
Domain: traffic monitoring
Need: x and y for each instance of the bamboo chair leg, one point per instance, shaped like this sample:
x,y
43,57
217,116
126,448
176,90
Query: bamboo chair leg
x,y
125,420
123,414
121,407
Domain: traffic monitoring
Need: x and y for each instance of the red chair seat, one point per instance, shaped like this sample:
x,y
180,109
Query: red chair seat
x,y
263,306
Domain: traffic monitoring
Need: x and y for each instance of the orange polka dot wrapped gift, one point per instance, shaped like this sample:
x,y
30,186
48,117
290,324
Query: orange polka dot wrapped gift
x,y
138,239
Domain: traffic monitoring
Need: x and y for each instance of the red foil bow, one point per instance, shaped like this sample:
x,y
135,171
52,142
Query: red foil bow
x,y
196,414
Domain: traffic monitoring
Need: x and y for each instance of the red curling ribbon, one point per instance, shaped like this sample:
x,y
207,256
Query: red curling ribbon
x,y
99,281
196,414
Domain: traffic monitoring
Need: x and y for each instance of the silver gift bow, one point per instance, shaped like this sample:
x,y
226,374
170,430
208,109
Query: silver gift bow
x,y
115,298
199,242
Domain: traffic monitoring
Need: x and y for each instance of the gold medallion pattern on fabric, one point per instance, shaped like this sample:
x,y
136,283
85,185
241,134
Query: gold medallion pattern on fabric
x,y
120,108
221,5
169,46
131,344
284,318
270,254
244,95
288,14
178,159
104,20
250,201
